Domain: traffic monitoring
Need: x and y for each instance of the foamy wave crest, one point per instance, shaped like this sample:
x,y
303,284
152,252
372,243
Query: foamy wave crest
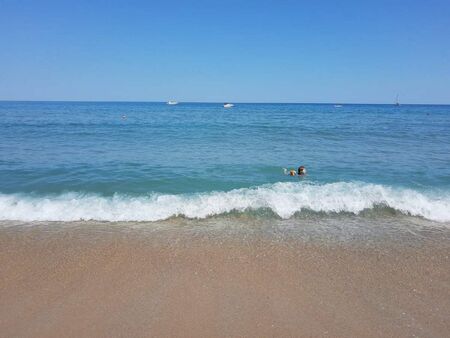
x,y
284,199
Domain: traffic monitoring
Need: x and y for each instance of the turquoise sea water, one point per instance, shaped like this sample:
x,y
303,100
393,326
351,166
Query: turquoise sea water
x,y
66,161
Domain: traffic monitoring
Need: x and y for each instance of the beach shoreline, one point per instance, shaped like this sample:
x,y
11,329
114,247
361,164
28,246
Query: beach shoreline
x,y
88,281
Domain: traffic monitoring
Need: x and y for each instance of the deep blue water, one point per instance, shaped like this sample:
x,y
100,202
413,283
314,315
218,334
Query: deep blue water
x,y
52,150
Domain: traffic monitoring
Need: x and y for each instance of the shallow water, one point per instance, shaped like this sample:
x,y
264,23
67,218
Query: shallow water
x,y
66,161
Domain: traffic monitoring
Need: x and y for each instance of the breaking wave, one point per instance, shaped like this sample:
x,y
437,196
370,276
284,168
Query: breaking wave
x,y
283,199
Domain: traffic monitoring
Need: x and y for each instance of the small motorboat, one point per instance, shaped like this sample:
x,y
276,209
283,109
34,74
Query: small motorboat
x,y
228,105
172,103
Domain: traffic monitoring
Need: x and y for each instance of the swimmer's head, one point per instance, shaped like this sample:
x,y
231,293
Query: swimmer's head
x,y
292,172
301,170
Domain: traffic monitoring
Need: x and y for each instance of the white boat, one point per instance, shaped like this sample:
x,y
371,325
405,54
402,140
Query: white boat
x,y
228,105
338,106
172,103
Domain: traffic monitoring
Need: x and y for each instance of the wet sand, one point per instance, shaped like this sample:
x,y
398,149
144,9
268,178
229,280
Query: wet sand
x,y
86,282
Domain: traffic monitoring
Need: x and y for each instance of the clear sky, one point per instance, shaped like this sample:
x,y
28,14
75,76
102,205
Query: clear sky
x,y
239,51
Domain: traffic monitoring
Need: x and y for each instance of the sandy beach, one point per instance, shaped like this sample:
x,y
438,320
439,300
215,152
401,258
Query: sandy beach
x,y
85,281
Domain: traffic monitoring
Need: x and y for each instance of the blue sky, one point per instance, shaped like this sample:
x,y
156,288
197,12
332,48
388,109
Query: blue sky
x,y
240,51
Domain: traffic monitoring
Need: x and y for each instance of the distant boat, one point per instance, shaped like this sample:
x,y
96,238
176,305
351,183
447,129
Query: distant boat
x,y
338,106
228,105
172,103
397,103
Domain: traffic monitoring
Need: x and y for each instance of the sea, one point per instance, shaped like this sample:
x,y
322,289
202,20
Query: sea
x,y
368,166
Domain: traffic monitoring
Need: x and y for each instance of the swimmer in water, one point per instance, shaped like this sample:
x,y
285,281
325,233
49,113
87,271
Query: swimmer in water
x,y
300,172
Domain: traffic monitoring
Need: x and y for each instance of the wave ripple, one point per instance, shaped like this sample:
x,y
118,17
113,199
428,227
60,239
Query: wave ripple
x,y
284,199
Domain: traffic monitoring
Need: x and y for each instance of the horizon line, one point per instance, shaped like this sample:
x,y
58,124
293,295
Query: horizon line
x,y
221,102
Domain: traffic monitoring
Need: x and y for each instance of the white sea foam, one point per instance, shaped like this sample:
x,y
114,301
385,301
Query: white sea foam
x,y
284,199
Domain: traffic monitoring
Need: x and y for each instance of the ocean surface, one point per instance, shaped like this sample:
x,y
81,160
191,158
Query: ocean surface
x,y
116,162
